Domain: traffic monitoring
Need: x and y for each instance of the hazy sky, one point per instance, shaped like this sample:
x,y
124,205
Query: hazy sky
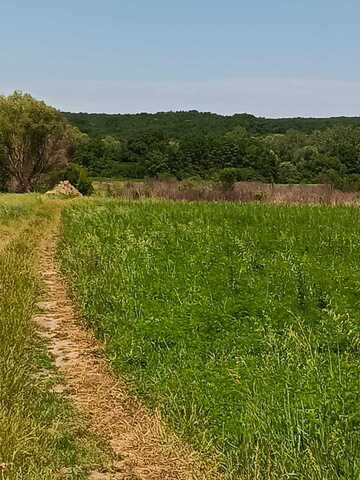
x,y
266,57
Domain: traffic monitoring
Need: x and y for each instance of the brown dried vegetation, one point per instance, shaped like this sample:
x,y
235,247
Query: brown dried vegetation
x,y
188,190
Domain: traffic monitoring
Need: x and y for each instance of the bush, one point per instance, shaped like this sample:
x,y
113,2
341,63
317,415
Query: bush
x,y
77,176
229,176
128,170
350,183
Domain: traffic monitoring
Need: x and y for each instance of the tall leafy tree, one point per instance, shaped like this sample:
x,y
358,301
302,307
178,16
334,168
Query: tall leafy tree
x,y
35,137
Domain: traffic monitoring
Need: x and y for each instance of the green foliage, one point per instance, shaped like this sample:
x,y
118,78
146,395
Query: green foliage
x,y
35,138
156,163
180,124
239,322
99,156
288,173
181,144
328,156
228,176
350,183
78,177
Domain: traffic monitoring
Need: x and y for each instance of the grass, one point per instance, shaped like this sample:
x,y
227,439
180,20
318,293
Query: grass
x,y
206,190
240,322
41,437
15,213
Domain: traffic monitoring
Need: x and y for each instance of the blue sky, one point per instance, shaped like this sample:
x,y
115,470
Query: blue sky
x,y
266,57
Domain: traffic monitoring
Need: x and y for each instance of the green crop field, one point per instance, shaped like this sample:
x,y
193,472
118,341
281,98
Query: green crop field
x,y
241,323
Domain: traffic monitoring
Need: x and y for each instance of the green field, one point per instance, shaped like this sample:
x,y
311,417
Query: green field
x,y
241,323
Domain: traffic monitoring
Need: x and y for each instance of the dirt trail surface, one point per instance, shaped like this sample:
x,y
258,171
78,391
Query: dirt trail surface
x,y
144,449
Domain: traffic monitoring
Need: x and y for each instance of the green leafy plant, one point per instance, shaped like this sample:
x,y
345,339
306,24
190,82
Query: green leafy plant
x,y
78,177
240,323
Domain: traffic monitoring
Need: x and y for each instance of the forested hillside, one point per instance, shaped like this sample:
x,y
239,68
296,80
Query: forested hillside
x,y
210,146
180,145
181,124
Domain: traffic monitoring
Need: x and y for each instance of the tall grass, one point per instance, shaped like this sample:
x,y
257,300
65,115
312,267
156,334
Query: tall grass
x,y
240,322
188,190
40,438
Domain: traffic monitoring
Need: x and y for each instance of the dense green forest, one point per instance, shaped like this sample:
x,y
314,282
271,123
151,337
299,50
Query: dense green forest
x,y
210,146
37,144
181,124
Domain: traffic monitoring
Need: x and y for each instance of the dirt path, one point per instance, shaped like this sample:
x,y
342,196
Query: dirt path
x,y
143,447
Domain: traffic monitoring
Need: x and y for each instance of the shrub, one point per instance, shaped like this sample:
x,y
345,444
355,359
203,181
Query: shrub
x,y
229,176
77,176
350,183
128,170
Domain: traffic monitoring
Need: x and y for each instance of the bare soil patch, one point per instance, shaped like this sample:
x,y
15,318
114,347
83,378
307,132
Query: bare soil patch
x,y
142,445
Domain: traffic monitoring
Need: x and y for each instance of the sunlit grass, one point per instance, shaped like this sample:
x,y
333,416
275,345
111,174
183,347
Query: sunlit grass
x,y
40,436
240,322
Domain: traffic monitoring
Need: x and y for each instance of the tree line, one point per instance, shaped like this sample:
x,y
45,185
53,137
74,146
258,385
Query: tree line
x,y
180,124
331,155
40,145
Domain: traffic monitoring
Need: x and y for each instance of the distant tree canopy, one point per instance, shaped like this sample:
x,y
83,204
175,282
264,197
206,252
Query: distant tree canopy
x,y
34,138
37,139
331,155
181,124
152,154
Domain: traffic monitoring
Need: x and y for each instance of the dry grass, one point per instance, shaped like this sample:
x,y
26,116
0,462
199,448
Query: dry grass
x,y
240,192
144,448
40,437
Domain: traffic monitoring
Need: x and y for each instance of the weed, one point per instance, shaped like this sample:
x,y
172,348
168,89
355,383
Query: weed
x,y
240,322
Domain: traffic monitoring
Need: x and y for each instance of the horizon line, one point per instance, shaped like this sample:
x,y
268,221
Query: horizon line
x,y
204,112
